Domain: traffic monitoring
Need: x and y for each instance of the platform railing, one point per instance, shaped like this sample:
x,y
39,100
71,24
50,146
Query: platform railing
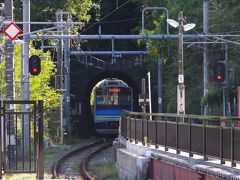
x,y
209,136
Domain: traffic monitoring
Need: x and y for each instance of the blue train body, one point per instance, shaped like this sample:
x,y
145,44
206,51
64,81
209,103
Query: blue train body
x,y
111,98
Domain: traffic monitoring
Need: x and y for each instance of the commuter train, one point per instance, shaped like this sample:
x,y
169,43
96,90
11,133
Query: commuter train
x,y
111,98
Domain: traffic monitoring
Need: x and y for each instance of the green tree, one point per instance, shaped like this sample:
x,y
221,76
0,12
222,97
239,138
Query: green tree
x,y
80,9
223,18
40,89
42,10
167,50
2,80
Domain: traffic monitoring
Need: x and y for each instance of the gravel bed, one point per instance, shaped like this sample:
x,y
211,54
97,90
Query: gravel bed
x,y
102,166
53,153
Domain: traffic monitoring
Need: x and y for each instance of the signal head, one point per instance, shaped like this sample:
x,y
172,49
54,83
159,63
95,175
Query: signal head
x,y
34,65
219,72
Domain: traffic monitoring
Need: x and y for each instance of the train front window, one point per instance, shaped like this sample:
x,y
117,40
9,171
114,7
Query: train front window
x,y
113,97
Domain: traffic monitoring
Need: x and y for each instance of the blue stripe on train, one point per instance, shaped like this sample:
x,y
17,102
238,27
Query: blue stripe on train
x,y
109,112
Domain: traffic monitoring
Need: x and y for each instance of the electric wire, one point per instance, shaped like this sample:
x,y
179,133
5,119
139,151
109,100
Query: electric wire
x,y
173,44
217,38
113,11
122,20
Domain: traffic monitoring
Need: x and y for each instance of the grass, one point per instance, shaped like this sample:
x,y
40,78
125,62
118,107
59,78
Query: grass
x,y
106,171
27,176
68,140
49,154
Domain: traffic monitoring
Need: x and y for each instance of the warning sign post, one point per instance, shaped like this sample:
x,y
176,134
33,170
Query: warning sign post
x,y
12,31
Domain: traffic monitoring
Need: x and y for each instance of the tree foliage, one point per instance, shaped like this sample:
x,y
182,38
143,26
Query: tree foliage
x,y
223,18
2,79
45,10
40,88
80,8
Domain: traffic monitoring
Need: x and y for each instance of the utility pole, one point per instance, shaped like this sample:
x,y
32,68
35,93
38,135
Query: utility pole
x,y
144,106
205,52
9,65
60,78
160,85
25,90
67,76
2,9
181,86
226,103
59,81
10,86
25,85
149,94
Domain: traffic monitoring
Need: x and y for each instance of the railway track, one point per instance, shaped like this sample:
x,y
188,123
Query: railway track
x,y
74,164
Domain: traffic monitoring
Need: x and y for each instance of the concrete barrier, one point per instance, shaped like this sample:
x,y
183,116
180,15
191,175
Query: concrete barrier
x,y
132,166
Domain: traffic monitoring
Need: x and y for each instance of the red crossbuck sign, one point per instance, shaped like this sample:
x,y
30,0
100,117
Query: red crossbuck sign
x,y
12,31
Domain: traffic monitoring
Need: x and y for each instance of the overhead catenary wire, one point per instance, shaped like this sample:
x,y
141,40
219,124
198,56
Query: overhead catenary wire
x,y
219,38
121,20
113,11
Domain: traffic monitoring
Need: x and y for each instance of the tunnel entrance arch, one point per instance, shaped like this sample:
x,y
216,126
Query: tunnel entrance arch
x,y
81,118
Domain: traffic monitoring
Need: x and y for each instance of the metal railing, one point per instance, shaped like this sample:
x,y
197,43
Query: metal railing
x,y
209,136
21,137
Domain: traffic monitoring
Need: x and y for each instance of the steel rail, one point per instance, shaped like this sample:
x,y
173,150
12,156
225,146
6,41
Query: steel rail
x,y
56,165
85,162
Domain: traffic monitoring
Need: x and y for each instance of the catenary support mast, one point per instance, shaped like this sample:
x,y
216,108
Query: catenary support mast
x,y
205,52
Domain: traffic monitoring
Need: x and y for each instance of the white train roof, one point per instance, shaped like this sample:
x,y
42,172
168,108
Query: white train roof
x,y
112,82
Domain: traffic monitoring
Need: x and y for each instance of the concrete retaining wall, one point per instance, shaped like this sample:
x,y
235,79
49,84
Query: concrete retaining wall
x,y
131,166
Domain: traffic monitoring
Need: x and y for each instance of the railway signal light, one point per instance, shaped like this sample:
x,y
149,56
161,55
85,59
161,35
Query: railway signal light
x,y
219,72
34,65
